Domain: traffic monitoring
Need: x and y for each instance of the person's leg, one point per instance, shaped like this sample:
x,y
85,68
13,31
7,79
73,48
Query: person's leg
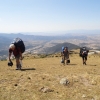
x,y
83,59
67,61
18,65
64,59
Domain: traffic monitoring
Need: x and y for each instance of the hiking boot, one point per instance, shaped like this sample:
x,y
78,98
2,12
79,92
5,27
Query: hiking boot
x,y
18,67
63,63
66,63
84,63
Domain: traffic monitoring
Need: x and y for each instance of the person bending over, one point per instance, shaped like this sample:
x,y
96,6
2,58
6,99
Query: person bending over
x,y
16,51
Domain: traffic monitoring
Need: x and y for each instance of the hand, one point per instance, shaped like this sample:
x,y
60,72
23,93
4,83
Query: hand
x,y
10,60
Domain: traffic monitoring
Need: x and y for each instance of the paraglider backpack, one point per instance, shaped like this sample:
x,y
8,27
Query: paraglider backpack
x,y
64,48
83,51
19,43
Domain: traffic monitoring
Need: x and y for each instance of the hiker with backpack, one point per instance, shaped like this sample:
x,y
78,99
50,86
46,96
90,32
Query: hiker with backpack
x,y
17,48
65,55
62,55
84,53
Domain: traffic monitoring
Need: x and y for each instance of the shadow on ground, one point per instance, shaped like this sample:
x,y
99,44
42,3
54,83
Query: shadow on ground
x,y
28,69
72,64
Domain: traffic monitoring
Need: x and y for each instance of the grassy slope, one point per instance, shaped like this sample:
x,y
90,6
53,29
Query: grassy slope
x,y
47,72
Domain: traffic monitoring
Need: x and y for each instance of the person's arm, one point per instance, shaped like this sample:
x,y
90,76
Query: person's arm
x,y
10,52
9,56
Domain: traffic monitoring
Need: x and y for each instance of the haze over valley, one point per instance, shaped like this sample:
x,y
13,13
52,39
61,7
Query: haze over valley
x,y
37,44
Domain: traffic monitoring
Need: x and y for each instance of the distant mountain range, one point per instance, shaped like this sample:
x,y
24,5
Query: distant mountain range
x,y
50,44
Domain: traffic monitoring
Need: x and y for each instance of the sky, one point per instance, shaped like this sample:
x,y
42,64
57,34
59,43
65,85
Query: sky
x,y
49,16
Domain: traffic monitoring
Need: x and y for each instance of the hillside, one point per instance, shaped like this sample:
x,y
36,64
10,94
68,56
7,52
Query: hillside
x,y
49,44
40,79
56,48
34,45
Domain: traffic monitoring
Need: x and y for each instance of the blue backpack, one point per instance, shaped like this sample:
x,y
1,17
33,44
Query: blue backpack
x,y
19,43
64,48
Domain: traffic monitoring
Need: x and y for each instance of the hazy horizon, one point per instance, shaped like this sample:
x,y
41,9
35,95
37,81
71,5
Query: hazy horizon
x,y
56,32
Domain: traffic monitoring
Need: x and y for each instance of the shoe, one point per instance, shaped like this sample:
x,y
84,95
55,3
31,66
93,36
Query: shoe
x,y
63,63
66,63
19,68
84,63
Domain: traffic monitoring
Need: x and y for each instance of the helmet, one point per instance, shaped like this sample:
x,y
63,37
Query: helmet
x,y
10,63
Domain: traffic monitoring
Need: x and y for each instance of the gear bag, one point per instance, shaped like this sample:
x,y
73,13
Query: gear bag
x,y
19,43
83,51
10,63
64,48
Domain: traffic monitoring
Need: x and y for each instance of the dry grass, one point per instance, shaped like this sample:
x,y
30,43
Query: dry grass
x,y
47,72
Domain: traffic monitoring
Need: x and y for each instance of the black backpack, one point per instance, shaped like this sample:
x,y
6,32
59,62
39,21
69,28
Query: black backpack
x,y
19,43
83,51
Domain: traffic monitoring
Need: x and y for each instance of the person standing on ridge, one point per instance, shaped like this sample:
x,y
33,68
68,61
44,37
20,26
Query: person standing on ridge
x,y
84,54
66,55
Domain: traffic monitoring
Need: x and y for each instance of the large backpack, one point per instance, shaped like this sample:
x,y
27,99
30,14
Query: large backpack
x,y
62,61
64,48
83,51
19,43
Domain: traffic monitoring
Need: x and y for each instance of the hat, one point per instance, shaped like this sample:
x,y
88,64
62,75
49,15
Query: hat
x,y
12,46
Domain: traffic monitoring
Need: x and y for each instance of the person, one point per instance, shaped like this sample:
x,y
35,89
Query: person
x,y
62,60
84,54
65,54
16,51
